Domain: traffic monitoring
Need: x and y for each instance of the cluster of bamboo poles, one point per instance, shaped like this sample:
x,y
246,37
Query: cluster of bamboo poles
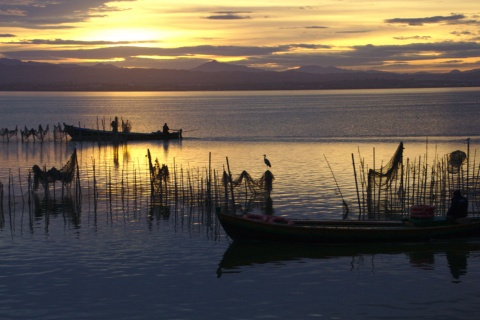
x,y
131,189
164,190
15,196
415,181
40,134
203,187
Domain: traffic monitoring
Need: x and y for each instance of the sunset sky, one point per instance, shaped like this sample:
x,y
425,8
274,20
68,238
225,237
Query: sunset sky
x,y
399,36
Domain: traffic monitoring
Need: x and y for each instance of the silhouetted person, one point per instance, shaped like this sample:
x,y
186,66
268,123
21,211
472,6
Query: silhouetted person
x,y
114,125
165,128
457,262
458,207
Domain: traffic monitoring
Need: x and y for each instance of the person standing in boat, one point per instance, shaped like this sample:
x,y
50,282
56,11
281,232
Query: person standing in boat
x,y
114,125
165,128
458,207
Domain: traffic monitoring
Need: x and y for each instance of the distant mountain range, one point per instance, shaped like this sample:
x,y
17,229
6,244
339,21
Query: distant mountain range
x,y
16,75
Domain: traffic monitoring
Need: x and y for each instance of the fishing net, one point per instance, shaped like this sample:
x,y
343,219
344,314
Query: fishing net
x,y
159,175
6,133
126,126
382,195
59,133
27,133
455,160
66,174
39,134
255,187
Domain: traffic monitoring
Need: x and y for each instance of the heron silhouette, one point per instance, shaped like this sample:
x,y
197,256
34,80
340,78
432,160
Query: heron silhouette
x,y
267,162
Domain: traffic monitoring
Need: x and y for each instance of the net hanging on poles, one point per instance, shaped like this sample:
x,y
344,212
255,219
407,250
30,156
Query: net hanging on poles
x,y
455,160
260,186
66,174
381,191
159,175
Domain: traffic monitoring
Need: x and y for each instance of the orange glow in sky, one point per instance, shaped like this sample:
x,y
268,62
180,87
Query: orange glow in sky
x,y
400,36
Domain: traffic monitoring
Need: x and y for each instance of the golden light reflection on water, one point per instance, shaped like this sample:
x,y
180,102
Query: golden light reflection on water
x,y
306,174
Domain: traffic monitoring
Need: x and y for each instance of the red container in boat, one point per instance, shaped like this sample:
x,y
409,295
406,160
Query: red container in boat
x,y
422,211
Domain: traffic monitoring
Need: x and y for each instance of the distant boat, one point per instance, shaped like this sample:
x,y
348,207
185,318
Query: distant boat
x,y
84,134
253,227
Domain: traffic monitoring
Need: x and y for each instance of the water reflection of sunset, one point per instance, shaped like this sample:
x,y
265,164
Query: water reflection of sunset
x,y
303,182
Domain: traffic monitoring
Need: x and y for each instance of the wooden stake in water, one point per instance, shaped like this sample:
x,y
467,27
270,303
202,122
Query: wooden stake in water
x,y
231,185
209,181
468,164
345,215
356,187
150,166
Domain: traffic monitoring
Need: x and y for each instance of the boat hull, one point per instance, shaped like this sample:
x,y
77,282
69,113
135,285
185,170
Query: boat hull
x,y
240,229
83,134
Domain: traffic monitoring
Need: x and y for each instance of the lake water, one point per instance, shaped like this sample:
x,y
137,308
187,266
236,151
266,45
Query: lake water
x,y
112,258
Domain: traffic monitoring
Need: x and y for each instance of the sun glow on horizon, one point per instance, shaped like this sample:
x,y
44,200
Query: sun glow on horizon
x,y
348,33
135,35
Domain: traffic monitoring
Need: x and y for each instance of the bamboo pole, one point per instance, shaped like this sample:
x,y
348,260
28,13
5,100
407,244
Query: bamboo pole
x,y
356,187
468,166
209,181
175,180
363,179
425,173
95,191
339,191
20,184
231,185
150,166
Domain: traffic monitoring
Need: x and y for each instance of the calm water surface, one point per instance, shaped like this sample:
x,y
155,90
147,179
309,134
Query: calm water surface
x,y
114,260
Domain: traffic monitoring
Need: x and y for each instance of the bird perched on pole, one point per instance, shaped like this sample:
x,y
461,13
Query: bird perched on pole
x,y
267,162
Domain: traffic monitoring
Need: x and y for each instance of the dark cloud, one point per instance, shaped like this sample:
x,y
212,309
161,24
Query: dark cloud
x,y
367,56
419,51
231,12
307,46
305,27
354,31
373,57
413,38
452,61
127,52
6,35
228,15
73,42
52,14
461,33
422,21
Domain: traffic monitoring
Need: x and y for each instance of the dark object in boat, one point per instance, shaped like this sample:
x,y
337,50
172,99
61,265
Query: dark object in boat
x,y
83,134
276,229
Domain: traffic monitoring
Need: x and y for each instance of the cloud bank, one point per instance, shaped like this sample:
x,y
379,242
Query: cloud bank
x,y
257,33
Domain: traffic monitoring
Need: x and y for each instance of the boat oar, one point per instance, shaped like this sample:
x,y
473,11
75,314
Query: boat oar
x,y
345,214
184,130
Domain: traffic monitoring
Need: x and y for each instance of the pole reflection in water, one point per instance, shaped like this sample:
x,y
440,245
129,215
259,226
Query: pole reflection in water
x,y
241,257
48,208
123,251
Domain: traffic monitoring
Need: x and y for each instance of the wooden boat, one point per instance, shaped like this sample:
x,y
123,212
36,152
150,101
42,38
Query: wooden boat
x,y
84,134
252,227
